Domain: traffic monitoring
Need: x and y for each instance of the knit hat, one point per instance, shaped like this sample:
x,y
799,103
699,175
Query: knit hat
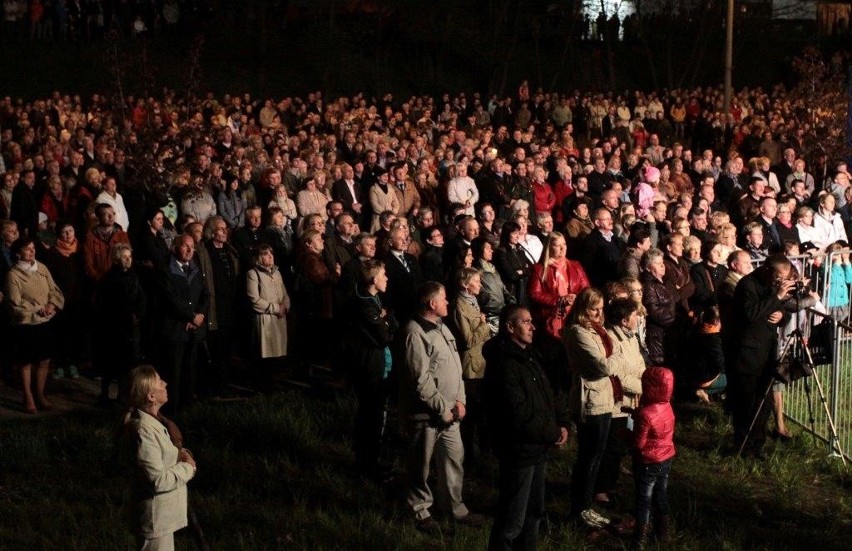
x,y
651,174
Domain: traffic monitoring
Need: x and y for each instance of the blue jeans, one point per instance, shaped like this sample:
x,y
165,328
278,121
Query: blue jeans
x,y
519,509
651,481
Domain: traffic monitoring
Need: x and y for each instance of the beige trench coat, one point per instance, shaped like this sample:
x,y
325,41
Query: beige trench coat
x,y
266,292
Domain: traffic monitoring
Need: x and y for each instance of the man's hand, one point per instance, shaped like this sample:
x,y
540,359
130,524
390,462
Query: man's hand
x,y
775,317
356,207
563,437
448,417
198,320
784,288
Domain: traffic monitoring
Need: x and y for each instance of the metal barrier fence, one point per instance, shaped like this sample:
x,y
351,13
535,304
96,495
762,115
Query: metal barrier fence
x,y
803,401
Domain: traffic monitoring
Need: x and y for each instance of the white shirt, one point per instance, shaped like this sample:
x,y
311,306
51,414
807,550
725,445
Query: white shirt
x,y
533,246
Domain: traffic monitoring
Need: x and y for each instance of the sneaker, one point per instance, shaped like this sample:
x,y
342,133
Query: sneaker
x,y
58,373
593,519
72,372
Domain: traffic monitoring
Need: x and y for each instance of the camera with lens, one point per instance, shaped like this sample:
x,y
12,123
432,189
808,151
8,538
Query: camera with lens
x,y
800,289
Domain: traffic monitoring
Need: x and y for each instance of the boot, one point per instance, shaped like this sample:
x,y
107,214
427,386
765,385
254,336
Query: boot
x,y
640,537
661,527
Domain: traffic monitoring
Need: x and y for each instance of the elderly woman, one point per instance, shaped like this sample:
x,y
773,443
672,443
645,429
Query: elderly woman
x,y
270,303
119,309
554,286
34,299
281,200
660,303
313,197
162,466
595,364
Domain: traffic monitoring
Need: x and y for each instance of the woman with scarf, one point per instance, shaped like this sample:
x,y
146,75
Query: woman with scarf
x,y
595,363
554,286
34,300
65,262
494,295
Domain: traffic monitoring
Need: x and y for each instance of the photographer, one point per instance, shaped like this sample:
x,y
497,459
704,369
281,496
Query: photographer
x,y
758,311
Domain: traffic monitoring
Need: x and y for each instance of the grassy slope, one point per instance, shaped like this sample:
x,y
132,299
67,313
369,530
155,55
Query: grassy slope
x,y
275,473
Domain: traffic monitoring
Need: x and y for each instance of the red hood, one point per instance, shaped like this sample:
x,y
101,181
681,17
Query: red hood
x,y
657,385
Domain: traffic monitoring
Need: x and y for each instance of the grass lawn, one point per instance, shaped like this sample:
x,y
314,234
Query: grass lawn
x,y
274,473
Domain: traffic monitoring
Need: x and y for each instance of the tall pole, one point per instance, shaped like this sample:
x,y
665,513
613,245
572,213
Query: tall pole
x,y
729,55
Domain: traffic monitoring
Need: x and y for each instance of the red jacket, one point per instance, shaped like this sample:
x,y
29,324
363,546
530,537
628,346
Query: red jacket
x,y
655,422
562,190
544,295
545,199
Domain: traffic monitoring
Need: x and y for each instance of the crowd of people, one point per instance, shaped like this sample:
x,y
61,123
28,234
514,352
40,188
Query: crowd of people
x,y
503,268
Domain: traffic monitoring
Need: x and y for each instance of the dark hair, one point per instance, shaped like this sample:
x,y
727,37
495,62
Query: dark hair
x,y
478,246
637,236
507,230
368,271
509,314
19,244
620,308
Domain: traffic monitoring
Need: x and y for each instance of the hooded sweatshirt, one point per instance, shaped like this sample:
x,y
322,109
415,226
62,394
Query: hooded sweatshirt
x,y
655,423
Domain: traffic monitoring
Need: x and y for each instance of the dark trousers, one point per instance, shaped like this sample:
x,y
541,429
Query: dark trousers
x,y
179,371
219,347
473,431
592,435
519,509
651,481
616,449
748,391
370,422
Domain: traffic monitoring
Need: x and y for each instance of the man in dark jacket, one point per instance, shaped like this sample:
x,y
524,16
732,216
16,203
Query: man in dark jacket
x,y
602,251
404,275
184,299
526,422
757,313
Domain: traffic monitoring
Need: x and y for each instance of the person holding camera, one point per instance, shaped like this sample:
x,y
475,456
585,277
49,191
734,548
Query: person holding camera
x,y
432,404
758,310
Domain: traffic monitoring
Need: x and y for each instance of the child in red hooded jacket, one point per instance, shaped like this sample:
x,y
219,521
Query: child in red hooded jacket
x,y
654,450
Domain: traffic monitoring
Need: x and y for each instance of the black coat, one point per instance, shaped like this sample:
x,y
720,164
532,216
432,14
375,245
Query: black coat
x,y
369,334
755,338
119,308
401,294
600,258
182,296
509,261
660,303
523,412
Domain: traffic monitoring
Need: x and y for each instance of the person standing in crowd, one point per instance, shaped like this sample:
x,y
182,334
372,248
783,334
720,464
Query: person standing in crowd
x,y
184,300
120,304
364,245
526,420
245,238
223,279
99,242
660,303
432,405
555,283
161,466
595,364
654,450
601,251
473,332
494,295
314,304
757,310
513,265
404,275
270,304
33,299
111,197
65,262
372,329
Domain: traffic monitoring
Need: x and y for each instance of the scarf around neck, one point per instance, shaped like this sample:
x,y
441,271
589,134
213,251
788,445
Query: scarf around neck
x,y
66,249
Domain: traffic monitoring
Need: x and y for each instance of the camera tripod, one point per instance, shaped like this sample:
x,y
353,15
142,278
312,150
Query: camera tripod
x,y
797,358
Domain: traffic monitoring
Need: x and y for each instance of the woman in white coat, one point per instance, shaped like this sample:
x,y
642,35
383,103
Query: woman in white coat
x,y
162,466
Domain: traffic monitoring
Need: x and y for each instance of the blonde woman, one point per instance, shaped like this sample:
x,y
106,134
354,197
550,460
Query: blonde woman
x,y
555,283
162,467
